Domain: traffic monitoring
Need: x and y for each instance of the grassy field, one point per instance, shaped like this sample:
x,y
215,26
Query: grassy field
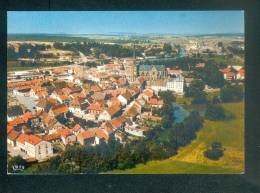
x,y
15,66
225,60
190,158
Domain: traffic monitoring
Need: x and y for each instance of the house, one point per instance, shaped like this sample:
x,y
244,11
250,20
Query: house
x,y
22,91
11,137
53,127
154,102
136,130
200,65
64,99
233,73
125,98
52,138
240,74
60,109
147,94
174,72
113,102
228,73
44,105
93,136
120,136
35,147
108,114
34,121
117,123
14,112
66,91
95,108
98,96
67,136
46,119
77,129
150,117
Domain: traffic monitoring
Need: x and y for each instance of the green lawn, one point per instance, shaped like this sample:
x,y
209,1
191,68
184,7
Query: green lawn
x,y
190,158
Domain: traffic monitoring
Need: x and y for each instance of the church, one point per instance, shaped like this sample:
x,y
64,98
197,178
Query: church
x,y
152,72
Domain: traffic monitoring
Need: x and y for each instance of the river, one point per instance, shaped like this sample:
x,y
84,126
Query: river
x,y
182,54
179,113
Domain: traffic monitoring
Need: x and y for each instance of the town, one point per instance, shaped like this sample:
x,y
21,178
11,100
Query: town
x,y
93,98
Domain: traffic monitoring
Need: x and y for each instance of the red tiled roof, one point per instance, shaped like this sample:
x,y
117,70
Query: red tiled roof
x,y
66,91
13,135
148,92
154,101
116,123
87,134
95,88
95,106
101,133
51,137
64,97
230,74
76,127
60,109
33,139
65,132
113,109
9,128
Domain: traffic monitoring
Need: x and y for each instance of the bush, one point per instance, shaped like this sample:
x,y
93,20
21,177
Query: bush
x,y
215,112
196,86
216,151
199,98
213,154
232,93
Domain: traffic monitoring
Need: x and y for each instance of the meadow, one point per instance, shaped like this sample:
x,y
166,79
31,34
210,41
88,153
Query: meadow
x,y
190,159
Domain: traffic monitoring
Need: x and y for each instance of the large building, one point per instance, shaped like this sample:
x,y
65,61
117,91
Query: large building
x,y
152,72
130,69
175,84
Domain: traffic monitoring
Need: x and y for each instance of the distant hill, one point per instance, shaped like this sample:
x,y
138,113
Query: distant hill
x,y
45,37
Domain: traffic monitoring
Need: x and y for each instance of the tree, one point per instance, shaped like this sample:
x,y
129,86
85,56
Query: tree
x,y
212,76
215,152
167,96
195,87
231,93
215,112
199,98
167,48
194,121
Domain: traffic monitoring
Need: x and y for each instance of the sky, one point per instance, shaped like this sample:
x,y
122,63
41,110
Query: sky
x,y
140,22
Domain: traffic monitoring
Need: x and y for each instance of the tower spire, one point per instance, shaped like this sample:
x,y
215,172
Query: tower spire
x,y
134,51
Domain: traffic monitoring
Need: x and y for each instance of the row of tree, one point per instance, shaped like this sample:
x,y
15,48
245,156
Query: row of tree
x,y
112,50
26,51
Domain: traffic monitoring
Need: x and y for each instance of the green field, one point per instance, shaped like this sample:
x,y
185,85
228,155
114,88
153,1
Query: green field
x,y
225,60
15,66
190,159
